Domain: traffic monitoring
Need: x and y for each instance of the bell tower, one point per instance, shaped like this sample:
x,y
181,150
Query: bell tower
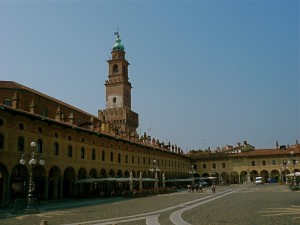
x,y
118,93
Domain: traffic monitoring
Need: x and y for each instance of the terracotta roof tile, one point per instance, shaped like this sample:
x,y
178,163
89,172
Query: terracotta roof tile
x,y
15,85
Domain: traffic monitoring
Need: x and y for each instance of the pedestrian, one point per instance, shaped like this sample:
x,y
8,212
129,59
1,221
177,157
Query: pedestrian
x,y
200,188
213,188
189,188
193,188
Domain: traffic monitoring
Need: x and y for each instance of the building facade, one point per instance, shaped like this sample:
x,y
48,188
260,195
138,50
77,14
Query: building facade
x,y
241,164
79,148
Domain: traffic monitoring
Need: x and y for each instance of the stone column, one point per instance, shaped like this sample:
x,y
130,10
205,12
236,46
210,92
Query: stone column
x,y
61,187
46,184
248,177
6,187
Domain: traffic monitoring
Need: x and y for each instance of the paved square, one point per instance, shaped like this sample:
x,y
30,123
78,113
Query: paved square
x,y
233,204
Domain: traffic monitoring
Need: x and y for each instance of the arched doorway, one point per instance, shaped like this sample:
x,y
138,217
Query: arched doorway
x,y
225,178
55,183
94,187
5,191
83,188
265,175
253,175
234,176
20,181
68,183
40,182
274,176
243,177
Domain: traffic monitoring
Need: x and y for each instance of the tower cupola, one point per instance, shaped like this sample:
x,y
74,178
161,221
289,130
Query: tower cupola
x,y
118,46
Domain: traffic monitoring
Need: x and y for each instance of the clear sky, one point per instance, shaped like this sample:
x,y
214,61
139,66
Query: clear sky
x,y
204,73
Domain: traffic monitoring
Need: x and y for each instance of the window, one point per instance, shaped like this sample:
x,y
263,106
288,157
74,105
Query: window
x,y
132,159
223,165
214,165
115,68
264,162
1,141
21,126
1,122
44,112
273,162
111,156
7,101
82,153
21,144
39,146
55,148
119,158
93,154
103,155
114,99
253,163
40,130
204,166
70,153
126,159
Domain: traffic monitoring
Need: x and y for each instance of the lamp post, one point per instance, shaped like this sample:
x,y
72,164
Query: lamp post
x,y
32,162
154,169
283,168
213,175
293,161
192,172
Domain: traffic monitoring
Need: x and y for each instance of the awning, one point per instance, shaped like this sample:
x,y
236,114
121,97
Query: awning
x,y
191,179
297,174
181,180
111,179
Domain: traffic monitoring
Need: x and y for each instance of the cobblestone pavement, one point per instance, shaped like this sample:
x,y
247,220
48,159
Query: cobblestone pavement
x,y
234,204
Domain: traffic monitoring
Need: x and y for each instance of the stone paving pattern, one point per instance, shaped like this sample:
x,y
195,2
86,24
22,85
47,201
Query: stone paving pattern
x,y
254,204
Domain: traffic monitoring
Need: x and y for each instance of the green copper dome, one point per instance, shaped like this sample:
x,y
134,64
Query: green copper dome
x,y
118,46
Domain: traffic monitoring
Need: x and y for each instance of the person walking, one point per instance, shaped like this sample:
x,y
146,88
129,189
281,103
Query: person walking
x,y
200,188
213,188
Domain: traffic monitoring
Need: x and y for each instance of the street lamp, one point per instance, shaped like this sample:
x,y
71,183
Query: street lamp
x,y
213,176
154,169
32,162
283,168
293,161
192,172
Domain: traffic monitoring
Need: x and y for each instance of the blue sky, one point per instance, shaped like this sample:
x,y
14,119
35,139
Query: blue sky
x,y
204,73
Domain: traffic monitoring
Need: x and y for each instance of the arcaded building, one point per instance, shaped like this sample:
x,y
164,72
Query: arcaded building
x,y
77,145
86,154
242,163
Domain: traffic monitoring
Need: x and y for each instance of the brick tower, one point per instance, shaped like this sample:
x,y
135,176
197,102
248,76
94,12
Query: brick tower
x,y
118,112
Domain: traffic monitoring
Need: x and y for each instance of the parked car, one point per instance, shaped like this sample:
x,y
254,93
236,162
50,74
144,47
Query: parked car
x,y
259,180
